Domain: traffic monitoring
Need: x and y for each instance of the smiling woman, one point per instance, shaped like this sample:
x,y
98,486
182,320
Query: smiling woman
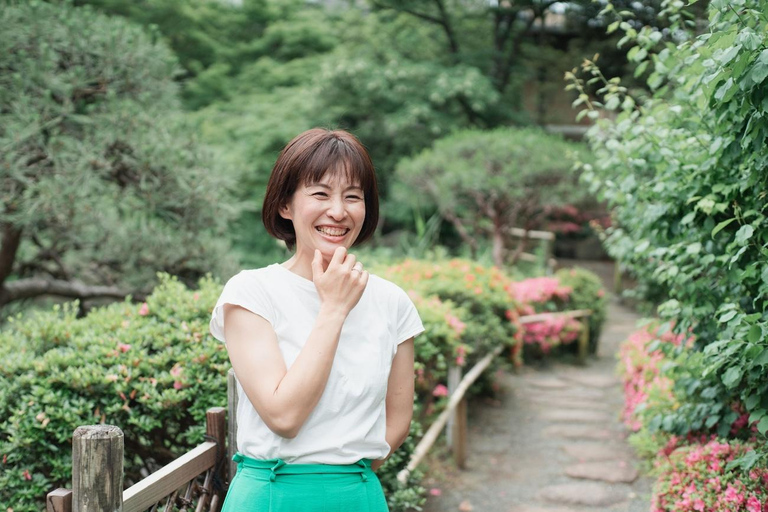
x,y
323,351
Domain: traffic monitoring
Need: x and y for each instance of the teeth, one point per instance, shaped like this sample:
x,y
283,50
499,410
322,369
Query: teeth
x,y
332,231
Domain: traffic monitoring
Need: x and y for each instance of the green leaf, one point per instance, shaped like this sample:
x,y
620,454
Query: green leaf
x,y
732,376
762,425
727,316
722,225
744,234
755,333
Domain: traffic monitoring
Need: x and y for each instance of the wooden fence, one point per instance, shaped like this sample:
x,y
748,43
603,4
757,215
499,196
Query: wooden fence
x,y
194,481
197,480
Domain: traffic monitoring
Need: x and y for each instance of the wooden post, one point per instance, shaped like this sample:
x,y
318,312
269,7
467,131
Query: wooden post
x,y
216,428
617,278
97,469
232,400
59,500
459,434
584,339
454,377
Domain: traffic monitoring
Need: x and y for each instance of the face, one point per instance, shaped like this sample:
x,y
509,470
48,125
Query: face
x,y
326,215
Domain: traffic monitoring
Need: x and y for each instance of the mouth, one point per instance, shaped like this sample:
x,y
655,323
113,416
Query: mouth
x,y
332,232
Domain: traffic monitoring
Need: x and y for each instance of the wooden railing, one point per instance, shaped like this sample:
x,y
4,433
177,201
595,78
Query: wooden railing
x,y
194,481
455,412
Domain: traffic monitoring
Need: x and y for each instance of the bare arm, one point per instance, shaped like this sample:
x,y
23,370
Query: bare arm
x,y
285,398
399,399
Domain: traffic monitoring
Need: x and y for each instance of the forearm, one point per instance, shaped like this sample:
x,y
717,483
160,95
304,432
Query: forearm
x,y
302,385
396,435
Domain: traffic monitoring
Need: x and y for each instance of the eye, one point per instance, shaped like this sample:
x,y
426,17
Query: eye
x,y
354,197
320,194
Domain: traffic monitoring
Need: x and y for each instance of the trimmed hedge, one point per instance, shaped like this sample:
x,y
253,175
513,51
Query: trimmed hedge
x,y
153,370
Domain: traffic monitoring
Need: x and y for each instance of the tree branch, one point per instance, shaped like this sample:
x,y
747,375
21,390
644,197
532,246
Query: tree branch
x,y
9,246
36,287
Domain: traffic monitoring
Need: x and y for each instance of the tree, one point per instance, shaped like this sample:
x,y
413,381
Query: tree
x,y
485,183
101,185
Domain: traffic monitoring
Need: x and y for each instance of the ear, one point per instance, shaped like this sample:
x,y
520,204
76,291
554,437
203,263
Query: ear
x,y
285,212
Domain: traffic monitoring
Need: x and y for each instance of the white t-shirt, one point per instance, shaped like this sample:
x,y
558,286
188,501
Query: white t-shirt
x,y
349,421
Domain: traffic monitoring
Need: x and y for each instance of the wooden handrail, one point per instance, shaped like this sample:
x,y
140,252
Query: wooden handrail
x,y
164,481
541,317
458,396
434,430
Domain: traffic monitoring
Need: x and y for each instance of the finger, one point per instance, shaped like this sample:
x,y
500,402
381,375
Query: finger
x,y
338,256
364,277
317,265
358,266
349,262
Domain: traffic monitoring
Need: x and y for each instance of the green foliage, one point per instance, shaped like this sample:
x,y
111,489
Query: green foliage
x,y
100,177
685,171
151,371
586,293
486,182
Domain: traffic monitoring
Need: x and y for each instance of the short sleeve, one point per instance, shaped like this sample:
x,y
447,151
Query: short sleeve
x,y
244,290
408,319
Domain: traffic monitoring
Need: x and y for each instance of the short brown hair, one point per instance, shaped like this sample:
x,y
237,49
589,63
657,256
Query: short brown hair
x,y
306,159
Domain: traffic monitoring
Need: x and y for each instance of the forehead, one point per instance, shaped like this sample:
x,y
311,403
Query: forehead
x,y
343,177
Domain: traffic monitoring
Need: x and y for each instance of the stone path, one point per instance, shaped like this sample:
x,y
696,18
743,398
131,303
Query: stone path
x,y
553,442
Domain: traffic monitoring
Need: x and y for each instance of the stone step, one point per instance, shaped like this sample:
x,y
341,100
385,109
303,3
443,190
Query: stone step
x,y
588,452
590,494
613,471
582,432
577,416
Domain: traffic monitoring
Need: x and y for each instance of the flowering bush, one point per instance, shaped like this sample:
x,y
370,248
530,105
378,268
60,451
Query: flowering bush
x,y
586,293
639,367
482,292
699,477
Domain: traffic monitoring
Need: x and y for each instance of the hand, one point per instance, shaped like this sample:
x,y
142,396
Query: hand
x,y
342,284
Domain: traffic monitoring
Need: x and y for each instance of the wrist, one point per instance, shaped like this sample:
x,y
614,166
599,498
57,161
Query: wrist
x,y
332,313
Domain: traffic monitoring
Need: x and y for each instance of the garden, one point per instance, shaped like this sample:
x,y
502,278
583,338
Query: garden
x,y
134,152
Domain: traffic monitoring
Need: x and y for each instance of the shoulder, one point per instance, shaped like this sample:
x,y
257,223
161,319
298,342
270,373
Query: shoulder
x,y
384,288
251,277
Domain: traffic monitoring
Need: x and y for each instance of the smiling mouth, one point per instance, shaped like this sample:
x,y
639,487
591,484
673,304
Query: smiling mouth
x,y
332,231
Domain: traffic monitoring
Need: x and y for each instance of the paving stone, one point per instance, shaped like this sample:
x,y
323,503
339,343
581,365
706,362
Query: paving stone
x,y
576,416
547,382
580,432
571,391
585,452
591,494
592,380
538,508
566,403
614,471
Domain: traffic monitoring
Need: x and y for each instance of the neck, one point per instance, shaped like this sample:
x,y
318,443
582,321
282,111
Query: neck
x,y
301,263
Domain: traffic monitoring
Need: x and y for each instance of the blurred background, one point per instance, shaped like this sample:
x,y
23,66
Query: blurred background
x,y
138,137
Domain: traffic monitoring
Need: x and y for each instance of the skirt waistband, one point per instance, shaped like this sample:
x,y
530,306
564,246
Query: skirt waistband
x,y
280,467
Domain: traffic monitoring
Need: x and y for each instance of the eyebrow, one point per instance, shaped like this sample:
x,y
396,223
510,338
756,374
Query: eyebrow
x,y
323,185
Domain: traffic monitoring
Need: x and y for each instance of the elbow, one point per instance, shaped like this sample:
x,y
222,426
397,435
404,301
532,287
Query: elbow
x,y
284,426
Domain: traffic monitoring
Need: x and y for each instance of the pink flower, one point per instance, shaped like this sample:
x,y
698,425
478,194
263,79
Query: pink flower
x,y
123,347
177,385
457,325
196,296
26,475
440,390
460,361
176,370
435,492
753,505
144,310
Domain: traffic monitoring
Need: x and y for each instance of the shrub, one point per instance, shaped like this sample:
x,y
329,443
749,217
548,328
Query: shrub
x,y
150,369
700,477
586,293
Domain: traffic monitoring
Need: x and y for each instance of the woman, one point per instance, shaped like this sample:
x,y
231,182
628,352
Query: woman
x,y
322,350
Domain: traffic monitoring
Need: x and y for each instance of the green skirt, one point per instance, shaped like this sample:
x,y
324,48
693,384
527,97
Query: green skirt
x,y
274,486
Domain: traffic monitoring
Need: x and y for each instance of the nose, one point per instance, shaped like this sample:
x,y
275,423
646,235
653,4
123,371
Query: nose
x,y
336,209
